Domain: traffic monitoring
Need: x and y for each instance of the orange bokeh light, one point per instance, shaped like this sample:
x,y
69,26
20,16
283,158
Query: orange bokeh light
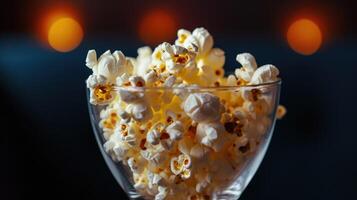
x,y
157,26
48,27
65,34
304,36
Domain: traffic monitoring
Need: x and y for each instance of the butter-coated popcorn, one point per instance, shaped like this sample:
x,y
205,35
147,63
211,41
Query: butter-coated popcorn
x,y
175,130
264,74
143,61
203,107
179,136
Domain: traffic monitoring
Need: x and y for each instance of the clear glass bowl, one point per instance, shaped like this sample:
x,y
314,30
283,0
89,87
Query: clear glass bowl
x,y
246,163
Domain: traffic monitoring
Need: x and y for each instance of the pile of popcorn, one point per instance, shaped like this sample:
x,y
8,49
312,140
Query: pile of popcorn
x,y
178,141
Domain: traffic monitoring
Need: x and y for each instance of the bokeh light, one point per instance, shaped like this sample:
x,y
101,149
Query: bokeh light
x,y
48,22
156,26
65,34
304,36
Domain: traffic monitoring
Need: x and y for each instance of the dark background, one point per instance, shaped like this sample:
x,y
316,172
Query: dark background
x,y
49,150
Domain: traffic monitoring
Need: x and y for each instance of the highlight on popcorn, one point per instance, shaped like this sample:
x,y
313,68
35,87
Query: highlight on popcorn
x,y
182,127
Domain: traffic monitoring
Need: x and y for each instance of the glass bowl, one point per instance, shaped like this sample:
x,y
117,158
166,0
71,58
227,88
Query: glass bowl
x,y
227,166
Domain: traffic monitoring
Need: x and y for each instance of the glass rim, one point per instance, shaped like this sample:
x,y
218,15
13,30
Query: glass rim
x,y
267,84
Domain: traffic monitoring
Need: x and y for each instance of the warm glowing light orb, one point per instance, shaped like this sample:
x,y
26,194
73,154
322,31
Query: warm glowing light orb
x,y
65,34
304,36
157,26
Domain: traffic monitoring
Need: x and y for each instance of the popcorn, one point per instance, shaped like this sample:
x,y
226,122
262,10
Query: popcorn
x,y
153,155
140,182
153,136
264,74
162,193
175,130
249,65
117,146
137,81
170,81
199,38
181,166
151,77
137,165
132,94
91,60
163,118
173,58
183,90
203,107
208,133
101,90
109,65
215,59
139,111
143,61
127,134
204,40
153,179
186,40
109,120
124,116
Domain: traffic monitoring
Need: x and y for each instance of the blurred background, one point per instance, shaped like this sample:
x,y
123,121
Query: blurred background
x,y
49,150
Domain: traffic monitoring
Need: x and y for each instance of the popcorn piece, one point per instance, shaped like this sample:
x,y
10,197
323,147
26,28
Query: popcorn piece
x,y
137,81
151,77
116,147
180,166
170,81
247,61
125,117
123,80
136,164
187,40
143,61
162,193
109,119
140,182
265,74
204,40
101,90
153,136
176,58
109,65
127,134
249,65
139,111
231,80
208,133
91,60
133,94
153,155
153,179
130,95
215,59
203,107
183,90
175,130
